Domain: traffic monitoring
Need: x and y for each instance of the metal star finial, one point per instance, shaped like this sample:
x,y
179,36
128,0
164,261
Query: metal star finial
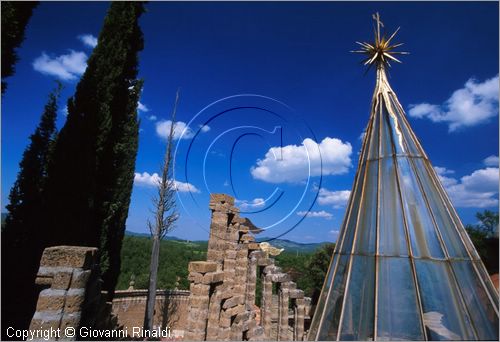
x,y
381,51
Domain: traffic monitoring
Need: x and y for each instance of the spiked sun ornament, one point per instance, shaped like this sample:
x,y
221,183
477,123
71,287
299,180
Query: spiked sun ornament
x,y
380,52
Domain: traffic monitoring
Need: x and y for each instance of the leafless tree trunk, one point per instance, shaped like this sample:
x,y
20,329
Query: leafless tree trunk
x,y
165,217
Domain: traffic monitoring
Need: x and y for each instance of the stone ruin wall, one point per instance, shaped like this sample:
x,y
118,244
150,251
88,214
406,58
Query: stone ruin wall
x,y
71,295
223,288
219,306
171,309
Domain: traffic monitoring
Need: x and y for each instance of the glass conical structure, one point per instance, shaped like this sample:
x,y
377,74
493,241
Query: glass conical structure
x,y
403,267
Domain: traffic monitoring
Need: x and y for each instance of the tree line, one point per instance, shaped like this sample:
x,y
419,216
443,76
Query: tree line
x,y
74,185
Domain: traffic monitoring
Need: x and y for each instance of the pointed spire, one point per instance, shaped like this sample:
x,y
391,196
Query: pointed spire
x,y
403,266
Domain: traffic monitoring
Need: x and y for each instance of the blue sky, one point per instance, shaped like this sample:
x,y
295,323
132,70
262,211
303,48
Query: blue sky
x,y
295,57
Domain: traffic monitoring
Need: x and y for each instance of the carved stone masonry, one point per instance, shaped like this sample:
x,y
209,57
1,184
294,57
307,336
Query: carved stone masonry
x,y
72,296
66,271
223,288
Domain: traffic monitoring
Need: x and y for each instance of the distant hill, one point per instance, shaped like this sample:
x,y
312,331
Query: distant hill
x,y
288,245
292,246
168,237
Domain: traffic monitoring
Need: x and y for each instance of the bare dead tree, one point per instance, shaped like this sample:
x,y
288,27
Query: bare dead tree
x,y
165,216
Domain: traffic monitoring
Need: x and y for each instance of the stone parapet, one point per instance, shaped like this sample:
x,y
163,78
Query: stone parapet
x,y
65,271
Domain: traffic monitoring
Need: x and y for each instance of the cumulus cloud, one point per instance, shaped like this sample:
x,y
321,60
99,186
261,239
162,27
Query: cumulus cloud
x,y
362,136
181,130
64,111
477,190
471,105
337,199
317,214
253,204
88,40
152,118
443,171
66,67
142,107
152,180
290,163
204,128
491,161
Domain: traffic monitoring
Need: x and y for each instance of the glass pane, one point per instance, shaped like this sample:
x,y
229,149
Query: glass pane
x,y
442,216
373,151
329,327
465,237
357,322
394,130
385,132
482,312
410,143
350,224
392,239
444,316
398,315
367,226
493,292
321,300
423,236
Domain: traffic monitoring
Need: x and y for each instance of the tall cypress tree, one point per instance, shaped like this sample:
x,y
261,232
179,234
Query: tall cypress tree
x,y
22,238
92,172
15,17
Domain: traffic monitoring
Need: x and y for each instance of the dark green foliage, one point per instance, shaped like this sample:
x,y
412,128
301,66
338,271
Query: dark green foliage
x,y
22,237
485,239
308,270
317,269
92,172
488,222
295,264
15,16
174,259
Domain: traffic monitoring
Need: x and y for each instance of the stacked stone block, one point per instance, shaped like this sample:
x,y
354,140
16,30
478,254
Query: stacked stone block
x,y
65,271
222,298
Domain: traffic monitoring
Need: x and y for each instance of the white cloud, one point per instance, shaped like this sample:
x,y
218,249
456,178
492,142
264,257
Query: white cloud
x,y
204,128
64,111
152,180
318,214
362,136
66,67
185,187
142,107
290,163
337,199
253,204
443,171
181,130
471,105
152,118
477,190
491,161
88,40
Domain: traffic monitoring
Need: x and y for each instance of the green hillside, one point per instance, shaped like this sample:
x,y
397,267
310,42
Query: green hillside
x,y
297,260
174,258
